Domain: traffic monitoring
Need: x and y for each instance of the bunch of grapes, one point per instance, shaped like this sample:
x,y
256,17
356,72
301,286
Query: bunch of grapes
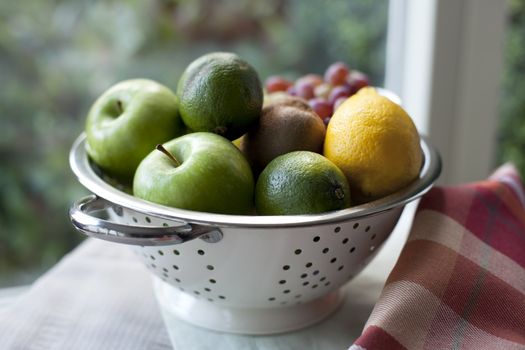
x,y
324,94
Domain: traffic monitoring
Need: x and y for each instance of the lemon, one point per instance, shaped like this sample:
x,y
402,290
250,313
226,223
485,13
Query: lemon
x,y
220,93
375,143
301,182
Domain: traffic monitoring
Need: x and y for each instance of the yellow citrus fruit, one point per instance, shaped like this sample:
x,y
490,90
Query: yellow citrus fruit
x,y
301,182
220,93
237,142
375,143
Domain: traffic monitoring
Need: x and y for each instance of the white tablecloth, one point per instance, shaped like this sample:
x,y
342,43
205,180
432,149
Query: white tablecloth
x,y
100,297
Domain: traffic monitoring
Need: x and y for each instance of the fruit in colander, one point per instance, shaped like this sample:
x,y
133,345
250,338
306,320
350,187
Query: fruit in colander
x,y
286,126
301,182
127,121
199,171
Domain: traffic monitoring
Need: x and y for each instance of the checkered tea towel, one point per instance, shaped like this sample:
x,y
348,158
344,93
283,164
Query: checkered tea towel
x,y
460,280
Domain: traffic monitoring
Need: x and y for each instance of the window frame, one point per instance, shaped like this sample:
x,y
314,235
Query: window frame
x,y
444,58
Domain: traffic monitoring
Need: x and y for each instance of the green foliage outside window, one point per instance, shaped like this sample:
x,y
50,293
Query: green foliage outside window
x,y
512,124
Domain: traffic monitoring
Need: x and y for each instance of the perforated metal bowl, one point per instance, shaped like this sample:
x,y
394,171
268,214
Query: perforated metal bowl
x,y
244,274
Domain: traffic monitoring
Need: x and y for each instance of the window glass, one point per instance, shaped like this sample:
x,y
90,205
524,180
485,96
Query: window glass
x,y
56,57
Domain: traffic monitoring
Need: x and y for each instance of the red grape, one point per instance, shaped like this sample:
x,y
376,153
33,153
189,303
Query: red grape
x,y
339,91
357,80
336,73
312,79
277,83
304,90
291,91
323,90
321,106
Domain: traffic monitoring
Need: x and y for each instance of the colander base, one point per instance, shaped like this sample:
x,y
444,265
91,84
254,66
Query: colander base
x,y
254,321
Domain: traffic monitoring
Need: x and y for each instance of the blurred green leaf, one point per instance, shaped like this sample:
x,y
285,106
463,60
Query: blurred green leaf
x,y
511,138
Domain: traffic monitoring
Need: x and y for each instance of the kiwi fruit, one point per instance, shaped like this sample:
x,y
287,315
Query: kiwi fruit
x,y
285,126
282,98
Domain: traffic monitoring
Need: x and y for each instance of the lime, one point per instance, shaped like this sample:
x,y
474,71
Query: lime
x,y
220,93
301,182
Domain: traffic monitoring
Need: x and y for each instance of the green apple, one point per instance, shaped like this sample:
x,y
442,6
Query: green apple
x,y
127,121
200,171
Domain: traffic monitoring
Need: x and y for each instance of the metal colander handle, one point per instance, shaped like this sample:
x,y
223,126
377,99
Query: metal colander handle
x,y
82,219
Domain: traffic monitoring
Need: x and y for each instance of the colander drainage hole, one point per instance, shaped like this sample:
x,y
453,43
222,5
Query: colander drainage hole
x,y
161,252
352,249
316,272
148,220
282,281
175,267
200,252
196,292
298,296
286,291
315,286
177,280
345,241
222,297
134,219
210,267
316,239
333,260
153,266
210,299
286,267
326,250
207,289
304,275
308,264
176,252
298,251
356,225
306,283
322,279
212,280
340,268
165,275
165,224
165,269
367,229
337,229
373,237
271,299
152,257
327,284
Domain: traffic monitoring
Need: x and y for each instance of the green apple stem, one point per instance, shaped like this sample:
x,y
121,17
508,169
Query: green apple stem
x,y
119,106
169,154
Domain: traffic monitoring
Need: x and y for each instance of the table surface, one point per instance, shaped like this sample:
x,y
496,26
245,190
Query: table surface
x,y
22,315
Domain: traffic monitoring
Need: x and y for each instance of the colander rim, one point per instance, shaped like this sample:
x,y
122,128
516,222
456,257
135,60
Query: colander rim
x,y
81,167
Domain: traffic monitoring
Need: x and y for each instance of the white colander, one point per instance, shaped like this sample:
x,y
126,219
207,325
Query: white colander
x,y
244,274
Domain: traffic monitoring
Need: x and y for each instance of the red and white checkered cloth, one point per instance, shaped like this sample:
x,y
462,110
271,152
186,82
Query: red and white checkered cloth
x,y
460,280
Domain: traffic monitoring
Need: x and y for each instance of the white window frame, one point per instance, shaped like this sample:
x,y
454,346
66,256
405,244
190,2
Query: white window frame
x,y
444,58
